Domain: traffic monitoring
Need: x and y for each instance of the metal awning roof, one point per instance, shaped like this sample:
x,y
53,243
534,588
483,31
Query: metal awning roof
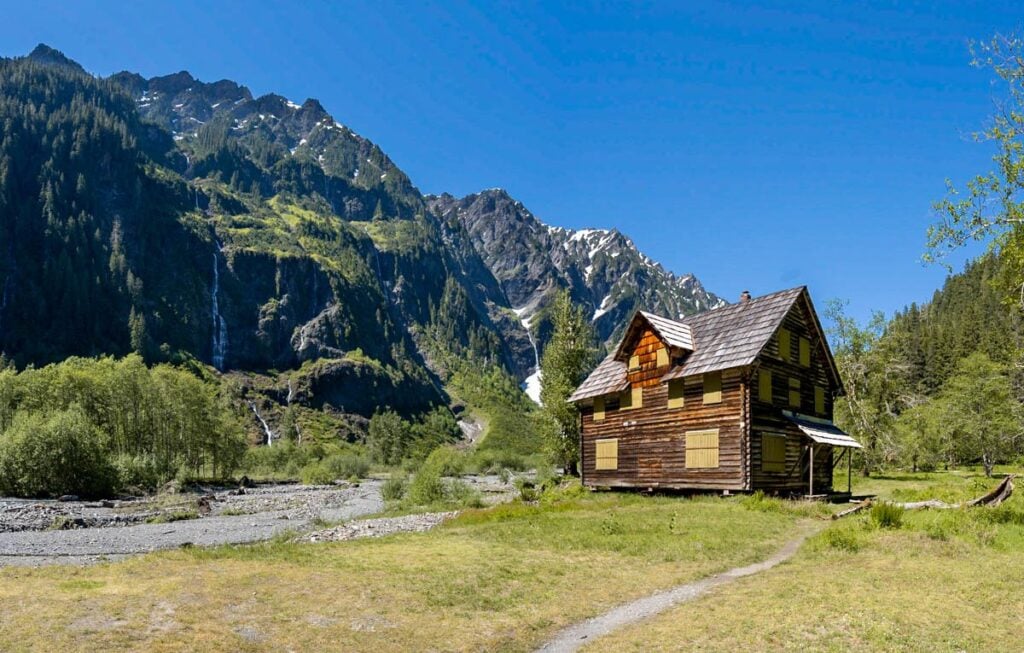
x,y
821,431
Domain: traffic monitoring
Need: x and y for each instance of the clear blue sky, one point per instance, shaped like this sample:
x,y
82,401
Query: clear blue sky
x,y
758,145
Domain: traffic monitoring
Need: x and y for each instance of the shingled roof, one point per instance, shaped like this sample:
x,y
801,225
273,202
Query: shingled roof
x,y
673,334
608,378
733,336
719,339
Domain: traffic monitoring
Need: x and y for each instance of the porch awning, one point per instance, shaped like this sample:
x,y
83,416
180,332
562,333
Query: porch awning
x,y
821,431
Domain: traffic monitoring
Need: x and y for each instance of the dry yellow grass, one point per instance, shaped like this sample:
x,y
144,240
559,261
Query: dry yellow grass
x,y
501,579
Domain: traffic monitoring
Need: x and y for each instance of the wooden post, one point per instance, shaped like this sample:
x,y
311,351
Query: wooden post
x,y
849,471
811,488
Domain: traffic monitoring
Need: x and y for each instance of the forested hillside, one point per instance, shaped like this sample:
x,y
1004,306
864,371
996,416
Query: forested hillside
x,y
940,383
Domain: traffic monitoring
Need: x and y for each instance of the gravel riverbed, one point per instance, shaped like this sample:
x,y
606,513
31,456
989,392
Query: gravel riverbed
x,y
90,532
36,532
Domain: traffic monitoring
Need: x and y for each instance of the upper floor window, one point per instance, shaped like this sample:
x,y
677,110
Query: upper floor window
x,y
764,385
785,344
712,388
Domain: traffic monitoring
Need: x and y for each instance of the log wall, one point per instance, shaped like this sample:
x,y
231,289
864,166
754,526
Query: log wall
x,y
652,439
766,418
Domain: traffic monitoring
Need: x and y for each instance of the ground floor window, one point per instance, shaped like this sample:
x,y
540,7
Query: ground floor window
x,y
607,454
773,453
702,449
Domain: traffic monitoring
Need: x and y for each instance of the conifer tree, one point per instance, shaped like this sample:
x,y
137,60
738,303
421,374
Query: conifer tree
x,y
565,363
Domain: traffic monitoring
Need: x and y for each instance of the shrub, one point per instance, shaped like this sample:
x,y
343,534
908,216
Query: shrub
x,y
887,515
59,454
346,465
842,537
394,488
317,473
426,486
137,472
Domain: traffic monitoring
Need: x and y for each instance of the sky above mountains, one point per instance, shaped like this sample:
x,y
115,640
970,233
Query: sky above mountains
x,y
759,146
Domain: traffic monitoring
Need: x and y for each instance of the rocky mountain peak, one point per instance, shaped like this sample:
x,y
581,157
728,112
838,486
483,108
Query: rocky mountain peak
x,y
44,54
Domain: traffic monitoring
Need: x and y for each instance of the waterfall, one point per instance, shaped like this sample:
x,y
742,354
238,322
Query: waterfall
x,y
532,383
266,427
220,325
288,400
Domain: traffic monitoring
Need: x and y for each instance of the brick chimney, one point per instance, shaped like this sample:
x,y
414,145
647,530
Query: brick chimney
x,y
744,296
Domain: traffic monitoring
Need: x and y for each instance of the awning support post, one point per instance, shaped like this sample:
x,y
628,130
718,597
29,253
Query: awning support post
x,y
811,492
849,471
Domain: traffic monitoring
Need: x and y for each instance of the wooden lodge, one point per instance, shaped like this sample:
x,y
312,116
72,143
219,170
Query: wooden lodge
x,y
738,398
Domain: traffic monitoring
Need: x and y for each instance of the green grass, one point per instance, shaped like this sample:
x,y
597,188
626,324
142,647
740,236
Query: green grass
x,y
503,578
923,580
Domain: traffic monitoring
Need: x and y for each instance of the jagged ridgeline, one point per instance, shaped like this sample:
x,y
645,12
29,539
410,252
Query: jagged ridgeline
x,y
189,220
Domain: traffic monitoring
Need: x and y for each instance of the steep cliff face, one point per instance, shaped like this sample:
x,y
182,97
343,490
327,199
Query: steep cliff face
x,y
601,268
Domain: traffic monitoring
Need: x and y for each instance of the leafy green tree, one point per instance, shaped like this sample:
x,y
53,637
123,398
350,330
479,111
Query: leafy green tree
x,y
567,358
388,437
980,412
991,208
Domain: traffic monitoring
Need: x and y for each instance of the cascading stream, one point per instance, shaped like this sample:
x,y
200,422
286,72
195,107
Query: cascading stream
x,y
266,427
220,325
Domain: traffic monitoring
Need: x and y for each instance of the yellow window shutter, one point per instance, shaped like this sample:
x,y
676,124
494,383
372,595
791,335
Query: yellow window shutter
x,y
663,357
764,386
794,392
606,453
598,409
626,400
638,397
785,345
702,449
675,393
713,388
773,453
805,352
819,400
634,362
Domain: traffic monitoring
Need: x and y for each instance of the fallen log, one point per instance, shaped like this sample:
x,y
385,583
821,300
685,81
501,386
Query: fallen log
x,y
993,498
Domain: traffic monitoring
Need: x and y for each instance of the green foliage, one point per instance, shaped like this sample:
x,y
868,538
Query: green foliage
x,y
148,424
567,358
394,487
992,209
55,454
388,438
336,467
886,515
428,487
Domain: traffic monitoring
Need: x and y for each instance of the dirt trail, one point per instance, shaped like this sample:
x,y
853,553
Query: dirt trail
x,y
578,635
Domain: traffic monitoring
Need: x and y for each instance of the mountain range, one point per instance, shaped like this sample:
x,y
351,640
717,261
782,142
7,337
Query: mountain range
x,y
190,220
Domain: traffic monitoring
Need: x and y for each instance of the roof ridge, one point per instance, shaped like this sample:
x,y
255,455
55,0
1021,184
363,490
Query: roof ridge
x,y
748,302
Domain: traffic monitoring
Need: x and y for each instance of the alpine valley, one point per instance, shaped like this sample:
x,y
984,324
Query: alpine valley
x,y
194,223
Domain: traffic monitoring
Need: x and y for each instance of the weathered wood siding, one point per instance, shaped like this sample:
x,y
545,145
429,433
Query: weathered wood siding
x,y
766,418
652,438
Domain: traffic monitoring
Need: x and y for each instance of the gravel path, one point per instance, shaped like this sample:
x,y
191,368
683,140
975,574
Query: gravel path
x,y
268,510
572,638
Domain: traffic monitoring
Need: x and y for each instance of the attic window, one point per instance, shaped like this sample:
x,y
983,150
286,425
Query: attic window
x,y
805,352
785,345
598,409
634,363
606,454
794,392
712,388
773,453
764,386
675,393
663,357
702,449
